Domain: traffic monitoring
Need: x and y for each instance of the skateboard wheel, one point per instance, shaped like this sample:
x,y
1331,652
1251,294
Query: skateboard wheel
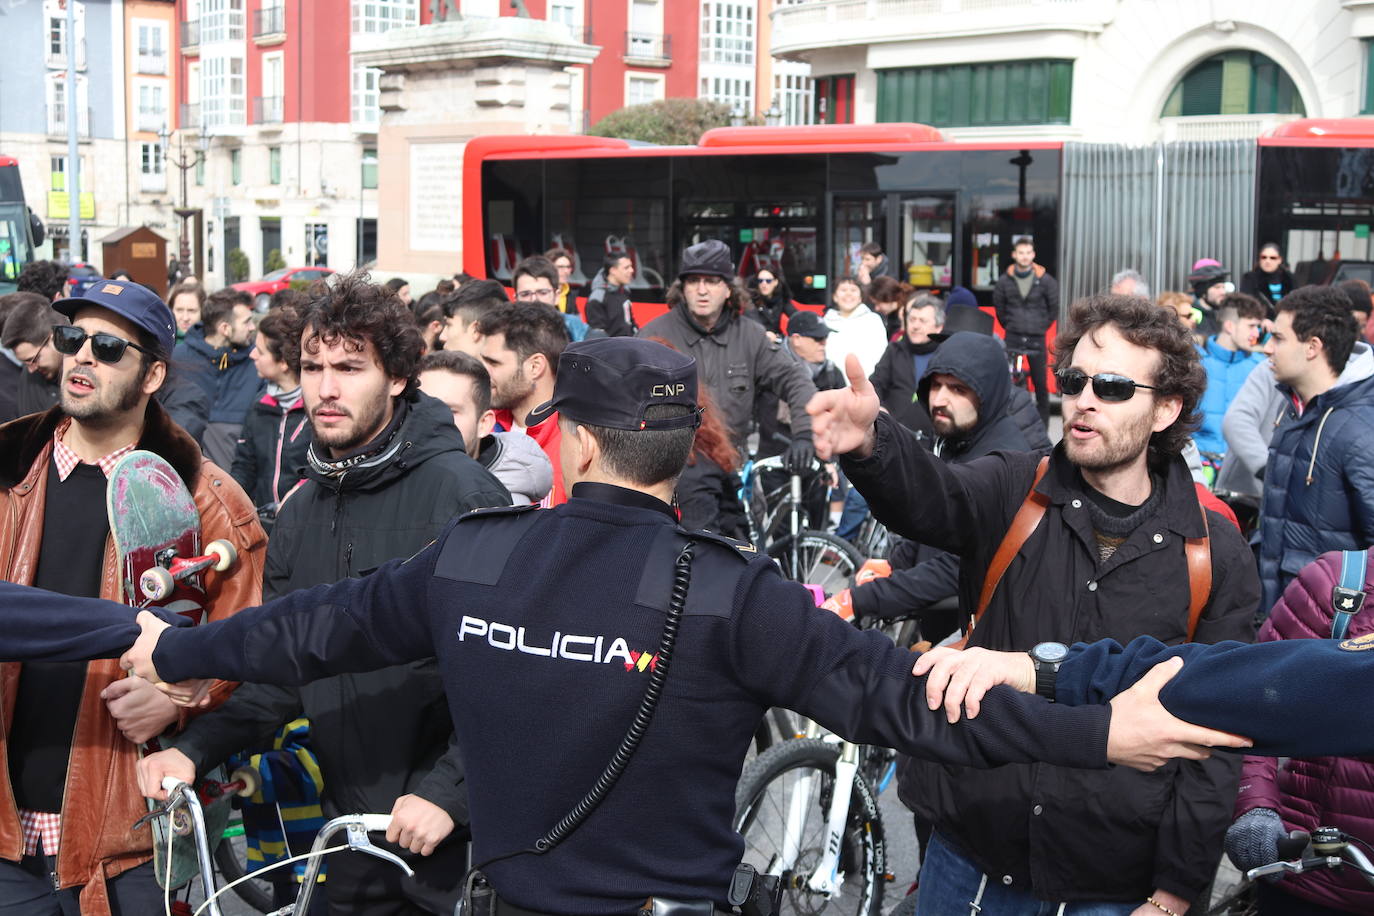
x,y
221,548
156,583
250,779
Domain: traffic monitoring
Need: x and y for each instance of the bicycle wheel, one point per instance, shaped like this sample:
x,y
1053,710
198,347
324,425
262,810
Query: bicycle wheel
x,y
802,772
820,559
230,856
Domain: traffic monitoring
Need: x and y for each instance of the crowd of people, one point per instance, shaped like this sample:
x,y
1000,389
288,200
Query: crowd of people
x,y
1216,447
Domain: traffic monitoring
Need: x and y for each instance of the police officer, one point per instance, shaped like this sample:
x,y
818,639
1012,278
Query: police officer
x,y
556,629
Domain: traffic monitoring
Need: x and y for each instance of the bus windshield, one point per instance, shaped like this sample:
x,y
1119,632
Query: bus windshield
x,y
15,250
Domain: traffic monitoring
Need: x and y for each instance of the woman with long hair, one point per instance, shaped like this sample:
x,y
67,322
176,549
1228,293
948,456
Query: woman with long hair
x,y
1270,280
771,299
854,327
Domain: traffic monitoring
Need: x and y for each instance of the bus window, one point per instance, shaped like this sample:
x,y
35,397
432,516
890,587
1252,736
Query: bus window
x,y
926,258
599,207
14,240
513,230
1318,205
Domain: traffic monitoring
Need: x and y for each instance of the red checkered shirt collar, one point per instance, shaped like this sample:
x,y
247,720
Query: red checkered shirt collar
x,y
67,460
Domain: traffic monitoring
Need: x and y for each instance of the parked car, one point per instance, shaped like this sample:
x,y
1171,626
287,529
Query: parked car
x,y
80,278
263,289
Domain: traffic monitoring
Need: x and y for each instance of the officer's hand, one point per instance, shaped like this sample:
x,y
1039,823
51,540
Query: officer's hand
x,y
153,768
841,604
1144,736
418,825
842,420
139,658
800,454
139,709
1253,840
960,678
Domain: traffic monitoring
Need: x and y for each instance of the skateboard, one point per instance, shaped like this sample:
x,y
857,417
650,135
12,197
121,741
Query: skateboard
x,y
156,531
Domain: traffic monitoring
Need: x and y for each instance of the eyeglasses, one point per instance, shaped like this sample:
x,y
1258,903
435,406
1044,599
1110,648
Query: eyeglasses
x,y
763,280
1106,386
32,361
68,340
703,280
535,295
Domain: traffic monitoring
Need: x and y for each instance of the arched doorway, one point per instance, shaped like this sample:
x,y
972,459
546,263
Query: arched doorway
x,y
1234,83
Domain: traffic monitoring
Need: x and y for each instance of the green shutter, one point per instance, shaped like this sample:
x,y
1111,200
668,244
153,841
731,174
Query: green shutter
x,y
1368,107
1061,91
976,95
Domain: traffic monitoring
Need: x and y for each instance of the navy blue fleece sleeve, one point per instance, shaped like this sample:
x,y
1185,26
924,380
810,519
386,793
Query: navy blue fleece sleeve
x,y
43,626
1293,698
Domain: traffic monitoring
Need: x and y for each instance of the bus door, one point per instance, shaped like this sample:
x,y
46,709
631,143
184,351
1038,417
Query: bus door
x,y
914,228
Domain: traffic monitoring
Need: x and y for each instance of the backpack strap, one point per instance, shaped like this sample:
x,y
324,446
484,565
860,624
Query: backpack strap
x,y
1023,524
1348,596
1198,551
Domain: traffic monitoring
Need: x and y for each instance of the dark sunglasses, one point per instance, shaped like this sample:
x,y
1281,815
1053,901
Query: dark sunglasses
x,y
1106,386
67,340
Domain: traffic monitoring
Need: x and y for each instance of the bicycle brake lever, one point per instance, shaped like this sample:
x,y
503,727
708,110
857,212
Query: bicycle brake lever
x,y
359,841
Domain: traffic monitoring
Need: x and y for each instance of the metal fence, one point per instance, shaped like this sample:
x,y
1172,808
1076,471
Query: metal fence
x,y
1156,209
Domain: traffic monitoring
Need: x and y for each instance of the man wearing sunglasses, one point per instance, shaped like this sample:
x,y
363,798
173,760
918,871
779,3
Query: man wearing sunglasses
x,y
72,729
1107,558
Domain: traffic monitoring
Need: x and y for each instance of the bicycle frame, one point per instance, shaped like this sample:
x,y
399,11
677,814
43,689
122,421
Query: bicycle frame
x,y
825,878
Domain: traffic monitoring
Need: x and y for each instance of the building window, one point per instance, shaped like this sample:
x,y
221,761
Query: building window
x,y
369,168
222,91
978,95
274,165
645,37
1234,83
371,16
55,33
200,171
642,89
727,33
236,166
150,158
152,46
221,20
58,169
834,98
59,105
568,13
316,244
152,106
364,105
793,93
736,92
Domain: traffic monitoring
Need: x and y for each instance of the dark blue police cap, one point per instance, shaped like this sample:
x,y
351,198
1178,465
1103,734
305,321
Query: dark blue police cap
x,y
133,301
611,381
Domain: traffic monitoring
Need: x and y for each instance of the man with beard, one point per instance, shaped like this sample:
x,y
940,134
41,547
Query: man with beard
x,y
28,335
72,730
520,346
386,472
216,354
1116,546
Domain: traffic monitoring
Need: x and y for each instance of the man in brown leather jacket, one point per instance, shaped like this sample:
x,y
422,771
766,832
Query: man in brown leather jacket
x,y
68,791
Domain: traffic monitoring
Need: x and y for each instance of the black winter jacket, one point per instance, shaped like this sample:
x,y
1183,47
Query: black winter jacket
x,y
769,310
895,378
1033,314
273,442
1056,833
226,375
608,308
384,733
708,499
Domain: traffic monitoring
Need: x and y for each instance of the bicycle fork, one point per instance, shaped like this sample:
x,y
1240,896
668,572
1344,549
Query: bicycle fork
x,y
825,878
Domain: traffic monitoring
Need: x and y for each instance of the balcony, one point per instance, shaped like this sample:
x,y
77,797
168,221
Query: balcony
x,y
57,122
188,116
190,37
648,49
267,109
151,120
151,62
152,181
269,25
809,25
1220,127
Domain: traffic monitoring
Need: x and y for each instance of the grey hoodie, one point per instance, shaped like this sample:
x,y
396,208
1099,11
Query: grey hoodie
x,y
518,462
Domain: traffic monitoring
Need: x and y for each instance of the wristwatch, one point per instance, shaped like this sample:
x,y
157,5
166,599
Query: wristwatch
x,y
1047,656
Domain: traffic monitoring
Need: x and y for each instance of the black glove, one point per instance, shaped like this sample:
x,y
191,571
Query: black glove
x,y
800,455
1253,840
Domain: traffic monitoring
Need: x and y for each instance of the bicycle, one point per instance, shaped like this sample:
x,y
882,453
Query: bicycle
x,y
1325,847
184,799
1018,363
775,527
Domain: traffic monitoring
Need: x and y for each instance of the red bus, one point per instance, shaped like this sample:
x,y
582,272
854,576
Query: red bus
x,y
20,230
802,200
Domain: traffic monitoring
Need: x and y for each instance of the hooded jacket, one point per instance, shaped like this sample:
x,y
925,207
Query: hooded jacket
x,y
1033,314
1227,371
101,803
1319,482
734,359
608,308
226,374
336,527
520,464
1312,792
979,362
1043,829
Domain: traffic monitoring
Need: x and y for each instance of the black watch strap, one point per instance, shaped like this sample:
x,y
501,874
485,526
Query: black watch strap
x,y
1046,675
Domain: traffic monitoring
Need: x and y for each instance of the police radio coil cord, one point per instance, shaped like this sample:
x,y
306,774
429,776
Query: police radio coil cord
x,y
677,604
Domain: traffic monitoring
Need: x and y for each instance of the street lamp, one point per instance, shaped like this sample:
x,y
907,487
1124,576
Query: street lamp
x,y
183,162
773,116
738,116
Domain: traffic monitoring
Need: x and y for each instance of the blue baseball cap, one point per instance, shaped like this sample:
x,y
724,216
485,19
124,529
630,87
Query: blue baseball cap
x,y
131,300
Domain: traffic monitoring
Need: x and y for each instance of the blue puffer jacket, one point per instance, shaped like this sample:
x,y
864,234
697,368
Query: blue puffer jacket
x,y
226,374
1226,372
1319,483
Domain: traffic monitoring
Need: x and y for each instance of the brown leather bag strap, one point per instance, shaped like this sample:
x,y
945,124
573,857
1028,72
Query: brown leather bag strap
x,y
1026,520
1199,553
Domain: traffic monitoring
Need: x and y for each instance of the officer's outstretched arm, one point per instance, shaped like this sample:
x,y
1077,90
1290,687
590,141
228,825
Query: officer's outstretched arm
x,y
354,625
38,625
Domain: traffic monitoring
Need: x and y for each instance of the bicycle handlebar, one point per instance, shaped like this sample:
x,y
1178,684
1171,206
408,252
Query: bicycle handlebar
x,y
1331,847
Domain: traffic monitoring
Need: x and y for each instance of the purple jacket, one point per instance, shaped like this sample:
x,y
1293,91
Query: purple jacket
x,y
1329,791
